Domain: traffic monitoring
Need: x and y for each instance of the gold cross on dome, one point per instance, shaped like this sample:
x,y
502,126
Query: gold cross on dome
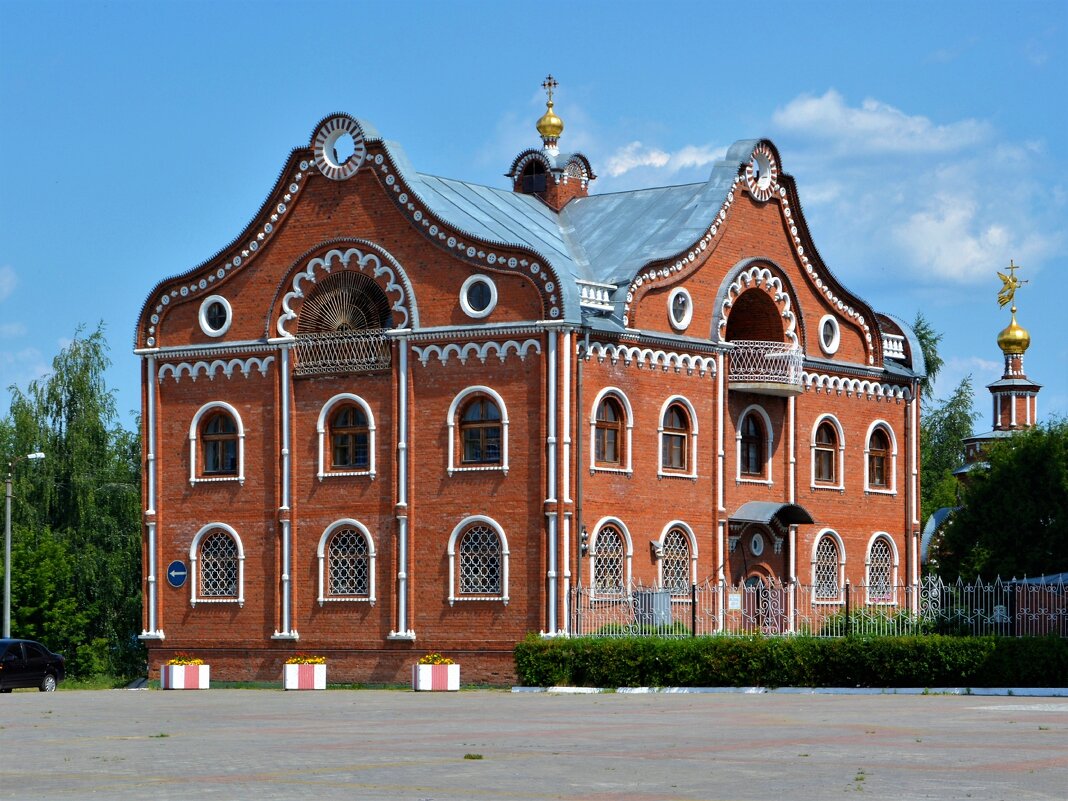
x,y
548,85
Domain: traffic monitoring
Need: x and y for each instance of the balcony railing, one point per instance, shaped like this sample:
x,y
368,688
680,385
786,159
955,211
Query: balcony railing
x,y
767,368
344,352
894,346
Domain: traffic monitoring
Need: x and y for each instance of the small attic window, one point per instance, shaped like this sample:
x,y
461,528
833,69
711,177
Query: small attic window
x,y
533,178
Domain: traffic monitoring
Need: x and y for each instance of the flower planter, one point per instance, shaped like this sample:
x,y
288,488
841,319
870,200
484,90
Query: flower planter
x,y
184,677
304,677
427,678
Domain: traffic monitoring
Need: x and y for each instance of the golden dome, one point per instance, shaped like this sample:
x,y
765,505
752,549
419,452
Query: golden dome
x,y
550,126
1015,339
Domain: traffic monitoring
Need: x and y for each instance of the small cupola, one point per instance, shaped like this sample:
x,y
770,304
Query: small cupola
x,y
546,173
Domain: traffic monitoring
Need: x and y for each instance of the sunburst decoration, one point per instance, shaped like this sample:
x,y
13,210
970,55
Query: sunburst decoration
x,y
344,301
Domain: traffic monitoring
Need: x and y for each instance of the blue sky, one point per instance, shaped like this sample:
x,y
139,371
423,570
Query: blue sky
x,y
928,140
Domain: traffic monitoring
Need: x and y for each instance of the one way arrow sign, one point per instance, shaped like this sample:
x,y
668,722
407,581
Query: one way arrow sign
x,y
176,573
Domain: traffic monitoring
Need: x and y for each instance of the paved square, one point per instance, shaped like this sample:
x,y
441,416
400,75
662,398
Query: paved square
x,y
371,744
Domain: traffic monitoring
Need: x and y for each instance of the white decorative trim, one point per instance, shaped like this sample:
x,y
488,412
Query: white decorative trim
x,y
836,338
454,407
647,357
202,315
681,323
326,263
595,295
761,278
621,396
480,350
195,546
764,185
321,555
470,310
329,132
839,457
194,431
756,544
691,465
857,387
891,487
210,369
769,435
321,426
462,526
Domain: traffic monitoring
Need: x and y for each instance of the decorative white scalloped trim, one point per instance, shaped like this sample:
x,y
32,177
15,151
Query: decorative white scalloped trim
x,y
325,263
647,357
858,387
661,273
763,278
481,350
193,370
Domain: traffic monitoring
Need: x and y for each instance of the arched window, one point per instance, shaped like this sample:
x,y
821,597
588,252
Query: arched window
x,y
217,564
533,177
346,563
675,572
478,561
608,562
675,452
825,454
350,439
881,571
346,431
754,446
480,431
608,437
826,570
216,444
879,459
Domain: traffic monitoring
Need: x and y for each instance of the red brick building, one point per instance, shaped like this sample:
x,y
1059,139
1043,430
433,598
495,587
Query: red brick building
x,y
402,413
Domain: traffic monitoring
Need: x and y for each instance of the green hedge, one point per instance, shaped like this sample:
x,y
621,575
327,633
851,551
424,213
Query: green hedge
x,y
914,661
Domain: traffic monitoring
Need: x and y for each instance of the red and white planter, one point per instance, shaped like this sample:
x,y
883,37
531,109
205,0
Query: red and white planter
x,y
304,677
184,677
434,678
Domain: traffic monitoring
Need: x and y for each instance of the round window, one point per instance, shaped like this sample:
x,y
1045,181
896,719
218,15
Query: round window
x,y
478,296
756,545
215,316
680,309
830,334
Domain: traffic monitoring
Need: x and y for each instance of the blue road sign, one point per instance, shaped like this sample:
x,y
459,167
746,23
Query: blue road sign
x,y
176,573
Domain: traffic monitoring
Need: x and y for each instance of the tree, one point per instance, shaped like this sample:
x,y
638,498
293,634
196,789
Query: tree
x,y
78,514
1014,515
944,426
929,340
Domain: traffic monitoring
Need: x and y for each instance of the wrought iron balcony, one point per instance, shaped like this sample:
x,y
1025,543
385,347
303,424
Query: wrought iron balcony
x,y
342,352
767,368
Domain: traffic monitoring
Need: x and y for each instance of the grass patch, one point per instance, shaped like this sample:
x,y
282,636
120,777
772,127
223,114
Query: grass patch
x,y
472,756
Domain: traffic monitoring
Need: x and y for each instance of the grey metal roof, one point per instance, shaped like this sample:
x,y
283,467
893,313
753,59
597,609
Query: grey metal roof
x,y
764,511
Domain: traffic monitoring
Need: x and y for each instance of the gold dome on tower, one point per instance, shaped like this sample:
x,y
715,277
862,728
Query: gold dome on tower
x,y
1014,339
550,126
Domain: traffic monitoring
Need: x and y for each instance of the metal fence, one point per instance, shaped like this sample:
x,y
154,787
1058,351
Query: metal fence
x,y
1006,608
342,352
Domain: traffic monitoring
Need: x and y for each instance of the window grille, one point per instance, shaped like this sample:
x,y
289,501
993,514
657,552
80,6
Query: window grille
x,y
480,562
608,562
676,438
218,566
880,572
344,301
349,563
826,573
675,563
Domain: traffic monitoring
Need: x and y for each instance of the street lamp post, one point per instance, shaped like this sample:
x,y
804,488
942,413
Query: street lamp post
x,y
33,457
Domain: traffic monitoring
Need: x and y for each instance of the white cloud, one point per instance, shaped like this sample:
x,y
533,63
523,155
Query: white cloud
x,y
874,126
8,281
12,330
635,155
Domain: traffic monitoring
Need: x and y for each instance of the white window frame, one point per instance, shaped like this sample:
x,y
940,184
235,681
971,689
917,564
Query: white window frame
x,y
691,471
692,538
465,304
891,488
687,317
619,395
834,535
324,423
839,457
628,553
830,348
769,432
895,564
194,549
329,532
461,527
454,407
194,433
202,315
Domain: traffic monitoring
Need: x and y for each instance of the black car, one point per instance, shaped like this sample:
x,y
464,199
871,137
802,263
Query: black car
x,y
25,663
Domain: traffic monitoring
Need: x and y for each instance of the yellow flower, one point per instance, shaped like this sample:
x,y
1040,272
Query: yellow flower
x,y
306,659
435,659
